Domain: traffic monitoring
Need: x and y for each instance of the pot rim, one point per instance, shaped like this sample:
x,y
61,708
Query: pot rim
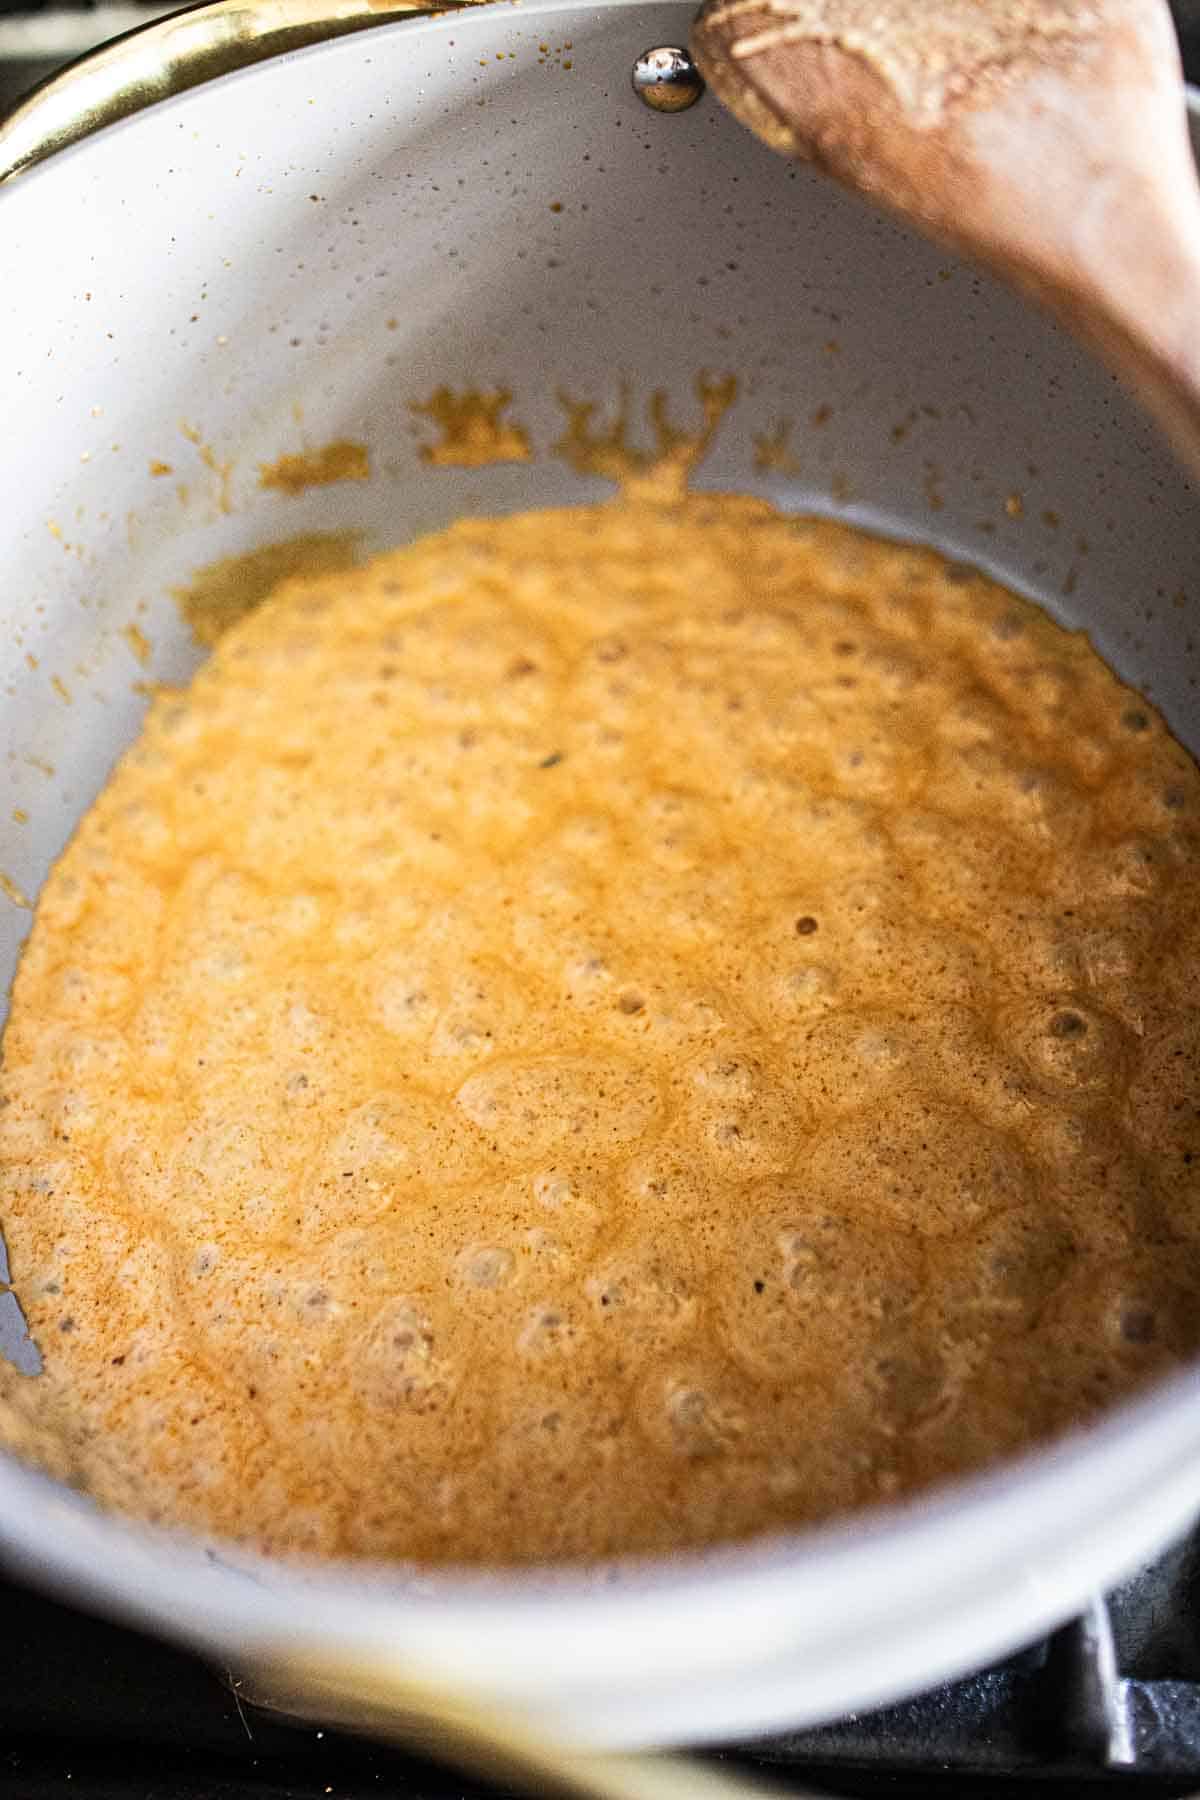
x,y
184,49
199,43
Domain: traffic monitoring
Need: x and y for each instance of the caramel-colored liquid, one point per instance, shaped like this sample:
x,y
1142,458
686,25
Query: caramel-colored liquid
x,y
609,1030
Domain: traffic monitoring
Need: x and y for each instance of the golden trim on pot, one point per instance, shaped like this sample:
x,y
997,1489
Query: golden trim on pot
x,y
175,53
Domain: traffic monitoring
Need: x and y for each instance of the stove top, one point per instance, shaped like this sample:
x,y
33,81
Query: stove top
x,y
1109,1705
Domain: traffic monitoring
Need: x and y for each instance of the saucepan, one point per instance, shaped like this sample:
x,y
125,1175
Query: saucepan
x,y
266,232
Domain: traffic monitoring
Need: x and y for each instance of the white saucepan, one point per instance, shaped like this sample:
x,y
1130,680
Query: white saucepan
x,y
292,254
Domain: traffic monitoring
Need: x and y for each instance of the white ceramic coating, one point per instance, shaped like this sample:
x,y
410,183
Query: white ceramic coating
x,y
296,254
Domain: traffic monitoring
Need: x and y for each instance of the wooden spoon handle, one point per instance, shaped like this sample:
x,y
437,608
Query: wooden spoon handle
x,y
383,1698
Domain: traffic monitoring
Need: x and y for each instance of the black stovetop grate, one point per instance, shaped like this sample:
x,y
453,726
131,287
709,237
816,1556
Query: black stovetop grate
x,y
1109,1705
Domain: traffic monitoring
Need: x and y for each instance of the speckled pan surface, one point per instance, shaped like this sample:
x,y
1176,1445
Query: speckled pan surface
x,y
299,255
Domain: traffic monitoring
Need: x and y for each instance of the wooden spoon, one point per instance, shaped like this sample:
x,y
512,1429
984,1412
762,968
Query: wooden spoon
x,y
1045,137
385,1698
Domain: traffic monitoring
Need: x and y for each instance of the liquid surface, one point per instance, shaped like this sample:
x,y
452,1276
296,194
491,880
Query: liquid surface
x,y
608,1030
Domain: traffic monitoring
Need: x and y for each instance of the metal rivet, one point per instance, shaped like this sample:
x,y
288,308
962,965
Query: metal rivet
x,y
667,79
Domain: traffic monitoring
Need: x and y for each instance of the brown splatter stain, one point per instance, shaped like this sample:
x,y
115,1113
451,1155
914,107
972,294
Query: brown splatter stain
x,y
138,642
161,468
773,453
341,460
61,689
659,474
221,593
208,456
11,891
474,432
20,816
1014,506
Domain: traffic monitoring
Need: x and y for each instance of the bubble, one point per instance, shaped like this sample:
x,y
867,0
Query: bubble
x,y
1136,1323
851,1057
697,1409
698,1422
393,1150
95,1054
205,1260
368,1260
1119,1319
810,1290
1069,1045
481,1014
549,1331
90,993
486,1266
728,1076
643,1297
224,1166
1030,797
1015,1262
545,1247
402,1000
75,1114
809,989
576,1203
910,1381
975,717
679,1022
396,1365
298,915
532,1107
921,1165
1134,867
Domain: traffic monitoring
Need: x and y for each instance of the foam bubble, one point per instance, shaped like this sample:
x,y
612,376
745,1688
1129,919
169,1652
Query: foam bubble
x,y
398,1366
1070,1045
486,1266
536,1106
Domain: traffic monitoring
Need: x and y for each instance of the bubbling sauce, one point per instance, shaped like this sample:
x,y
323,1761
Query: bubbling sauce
x,y
608,1030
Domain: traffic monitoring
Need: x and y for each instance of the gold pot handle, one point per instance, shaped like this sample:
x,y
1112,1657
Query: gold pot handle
x,y
179,52
384,1699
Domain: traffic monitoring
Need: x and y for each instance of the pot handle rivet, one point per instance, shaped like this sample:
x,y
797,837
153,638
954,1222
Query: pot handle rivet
x,y
667,79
